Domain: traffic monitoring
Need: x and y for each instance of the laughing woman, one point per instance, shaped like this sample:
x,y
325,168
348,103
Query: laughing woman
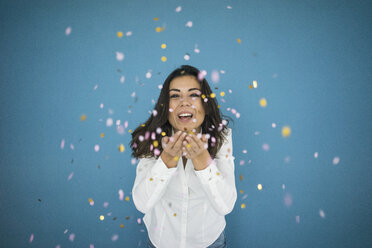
x,y
185,183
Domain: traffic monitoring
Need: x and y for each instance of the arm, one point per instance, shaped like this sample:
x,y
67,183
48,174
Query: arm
x,y
218,179
152,178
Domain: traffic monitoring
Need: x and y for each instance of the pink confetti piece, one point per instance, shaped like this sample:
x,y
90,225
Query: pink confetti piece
x,y
288,200
109,122
156,152
273,125
153,136
121,194
283,186
297,219
241,162
96,148
237,115
265,147
189,24
58,246
202,75
101,105
119,56
71,237
134,161
287,159
95,87
133,94
215,76
229,7
196,49
91,246
154,112
141,138
321,213
91,202
256,133
122,79
233,111
336,160
125,124
109,214
139,221
105,204
129,33
62,143
245,151
147,135
178,9
316,155
66,230
68,31
222,72
70,176
114,237
120,129
72,147
31,238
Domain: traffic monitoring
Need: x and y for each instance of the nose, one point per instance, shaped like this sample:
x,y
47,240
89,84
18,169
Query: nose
x,y
184,102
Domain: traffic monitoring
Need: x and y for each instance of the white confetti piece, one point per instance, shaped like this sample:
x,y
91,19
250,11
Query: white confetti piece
x,y
196,49
72,147
237,115
298,219
122,79
189,24
95,86
321,213
129,33
96,148
202,75
121,194
119,56
109,122
273,125
336,160
229,7
186,57
245,151
178,9
265,147
101,105
68,31
148,74
114,237
215,76
316,155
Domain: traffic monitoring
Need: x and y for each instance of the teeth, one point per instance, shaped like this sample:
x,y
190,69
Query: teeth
x,y
185,115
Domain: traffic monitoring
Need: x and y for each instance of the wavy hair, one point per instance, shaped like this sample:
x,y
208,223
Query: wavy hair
x,y
146,138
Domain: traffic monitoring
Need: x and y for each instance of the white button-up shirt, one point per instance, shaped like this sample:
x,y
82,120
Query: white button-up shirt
x,y
183,207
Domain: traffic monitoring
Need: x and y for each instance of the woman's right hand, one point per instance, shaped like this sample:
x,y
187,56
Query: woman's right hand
x,y
172,149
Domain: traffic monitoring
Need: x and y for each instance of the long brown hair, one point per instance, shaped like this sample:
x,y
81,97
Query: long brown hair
x,y
146,138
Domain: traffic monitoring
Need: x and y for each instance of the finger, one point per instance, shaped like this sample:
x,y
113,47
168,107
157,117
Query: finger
x,y
178,144
191,146
198,143
164,141
173,139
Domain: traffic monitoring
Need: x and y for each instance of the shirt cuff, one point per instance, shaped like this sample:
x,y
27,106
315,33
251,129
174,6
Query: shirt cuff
x,y
210,173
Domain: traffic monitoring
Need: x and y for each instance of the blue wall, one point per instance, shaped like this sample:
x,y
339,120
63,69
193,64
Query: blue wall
x,y
312,63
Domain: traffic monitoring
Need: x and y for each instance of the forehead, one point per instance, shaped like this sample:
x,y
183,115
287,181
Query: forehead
x,y
184,82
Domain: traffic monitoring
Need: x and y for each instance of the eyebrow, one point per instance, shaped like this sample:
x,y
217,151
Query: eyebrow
x,y
180,91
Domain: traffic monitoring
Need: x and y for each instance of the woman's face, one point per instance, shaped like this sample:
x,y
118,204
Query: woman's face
x,y
186,111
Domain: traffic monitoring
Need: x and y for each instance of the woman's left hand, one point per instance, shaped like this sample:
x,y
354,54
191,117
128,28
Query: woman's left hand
x,y
193,146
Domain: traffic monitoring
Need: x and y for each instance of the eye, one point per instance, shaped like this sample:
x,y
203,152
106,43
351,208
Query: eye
x,y
195,95
174,96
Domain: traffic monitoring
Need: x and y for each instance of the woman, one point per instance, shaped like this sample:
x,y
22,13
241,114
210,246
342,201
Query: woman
x,y
184,200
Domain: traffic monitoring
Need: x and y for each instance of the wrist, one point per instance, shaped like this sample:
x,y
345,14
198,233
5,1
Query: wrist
x,y
169,160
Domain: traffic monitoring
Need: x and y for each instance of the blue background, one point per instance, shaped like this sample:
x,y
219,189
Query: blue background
x,y
312,63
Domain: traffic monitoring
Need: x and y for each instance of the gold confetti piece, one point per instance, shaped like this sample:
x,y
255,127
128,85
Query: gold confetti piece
x,y
83,117
156,143
241,177
142,125
101,217
254,84
127,198
163,58
130,130
222,93
203,96
163,134
121,148
120,34
219,106
238,40
250,87
243,205
158,29
259,186
175,158
174,214
151,179
263,102
241,191
121,226
90,200
286,131
163,46
213,95
218,173
156,19
102,135
188,145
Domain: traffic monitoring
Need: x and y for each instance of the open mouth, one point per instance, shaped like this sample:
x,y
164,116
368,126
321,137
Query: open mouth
x,y
185,116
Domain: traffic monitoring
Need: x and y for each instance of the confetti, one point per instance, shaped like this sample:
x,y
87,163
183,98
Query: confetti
x,y
196,50
163,46
121,148
321,213
189,24
68,31
122,79
186,57
83,117
178,9
129,33
243,205
254,84
91,202
259,186
163,59
148,74
70,176
215,76
127,198
273,125
229,7
222,93
239,40
31,238
71,237
139,221
265,147
298,219
245,151
101,217
105,204
286,131
263,102
121,194
156,19
288,200
336,160
114,237
109,122
96,148
121,225
202,75
119,56
316,155
120,34
62,143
